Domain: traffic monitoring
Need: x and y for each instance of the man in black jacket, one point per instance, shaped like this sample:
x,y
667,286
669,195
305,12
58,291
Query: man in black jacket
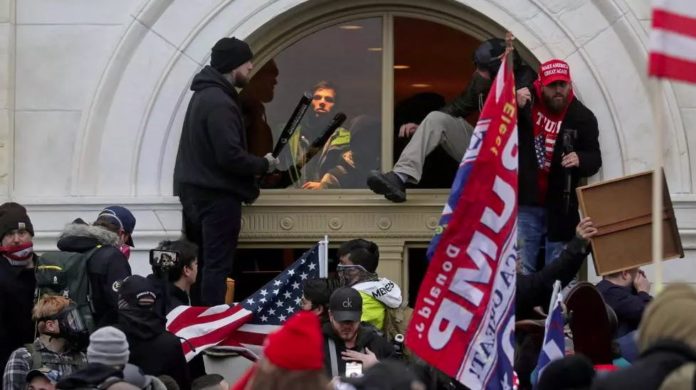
x,y
108,265
447,127
627,292
346,340
214,172
151,346
17,282
558,145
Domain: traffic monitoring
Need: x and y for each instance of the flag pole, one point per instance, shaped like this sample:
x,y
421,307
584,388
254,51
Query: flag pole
x,y
324,257
657,191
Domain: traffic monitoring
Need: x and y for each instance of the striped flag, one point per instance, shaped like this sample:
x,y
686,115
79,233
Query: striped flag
x,y
463,321
554,339
673,40
243,327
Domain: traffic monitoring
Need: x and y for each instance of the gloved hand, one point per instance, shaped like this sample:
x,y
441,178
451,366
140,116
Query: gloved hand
x,y
273,162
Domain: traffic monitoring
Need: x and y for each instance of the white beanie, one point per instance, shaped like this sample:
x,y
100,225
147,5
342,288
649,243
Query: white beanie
x,y
108,346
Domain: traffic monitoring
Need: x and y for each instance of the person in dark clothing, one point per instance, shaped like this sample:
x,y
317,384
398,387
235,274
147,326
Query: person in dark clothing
x,y
667,344
628,293
17,282
316,294
174,278
552,120
447,127
536,289
152,347
346,339
214,173
106,268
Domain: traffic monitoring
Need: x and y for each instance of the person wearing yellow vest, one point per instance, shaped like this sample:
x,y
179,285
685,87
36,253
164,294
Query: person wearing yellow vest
x,y
358,260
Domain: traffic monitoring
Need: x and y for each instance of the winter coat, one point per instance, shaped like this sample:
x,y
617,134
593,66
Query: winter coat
x,y
651,368
213,153
377,296
627,303
536,289
367,338
16,302
106,268
560,226
152,347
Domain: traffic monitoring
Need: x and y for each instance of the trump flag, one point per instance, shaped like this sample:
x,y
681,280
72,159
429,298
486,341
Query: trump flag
x,y
464,316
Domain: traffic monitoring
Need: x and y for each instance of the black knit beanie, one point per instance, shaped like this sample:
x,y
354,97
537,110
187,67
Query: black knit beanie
x,y
229,53
14,216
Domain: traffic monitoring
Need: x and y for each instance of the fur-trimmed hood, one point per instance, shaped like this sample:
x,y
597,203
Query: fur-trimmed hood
x,y
79,237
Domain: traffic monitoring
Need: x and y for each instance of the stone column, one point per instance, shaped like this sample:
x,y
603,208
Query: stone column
x,y
7,93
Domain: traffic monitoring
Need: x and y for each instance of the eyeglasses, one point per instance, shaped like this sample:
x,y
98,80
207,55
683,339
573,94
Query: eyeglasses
x,y
327,99
341,267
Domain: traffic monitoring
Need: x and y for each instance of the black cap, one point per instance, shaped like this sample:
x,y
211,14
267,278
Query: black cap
x,y
137,291
346,304
229,53
486,55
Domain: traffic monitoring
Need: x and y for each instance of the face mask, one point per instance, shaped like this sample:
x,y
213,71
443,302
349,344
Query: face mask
x,y
18,254
125,249
71,327
350,274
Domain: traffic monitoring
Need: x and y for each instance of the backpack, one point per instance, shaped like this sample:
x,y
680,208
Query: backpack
x,y
65,273
396,320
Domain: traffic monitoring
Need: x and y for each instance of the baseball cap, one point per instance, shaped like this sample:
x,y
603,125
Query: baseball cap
x,y
346,304
137,291
51,375
122,217
554,70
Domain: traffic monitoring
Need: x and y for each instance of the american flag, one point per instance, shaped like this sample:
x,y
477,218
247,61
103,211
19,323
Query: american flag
x,y
673,40
245,325
554,339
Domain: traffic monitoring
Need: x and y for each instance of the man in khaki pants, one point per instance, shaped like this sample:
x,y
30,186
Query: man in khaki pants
x,y
447,127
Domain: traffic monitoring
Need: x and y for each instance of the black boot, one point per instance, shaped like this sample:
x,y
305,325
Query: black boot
x,y
387,184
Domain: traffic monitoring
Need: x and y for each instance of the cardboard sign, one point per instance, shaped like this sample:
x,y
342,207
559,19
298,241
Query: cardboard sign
x,y
621,209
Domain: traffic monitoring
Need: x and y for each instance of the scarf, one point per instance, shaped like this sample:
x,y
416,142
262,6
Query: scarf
x,y
547,125
18,255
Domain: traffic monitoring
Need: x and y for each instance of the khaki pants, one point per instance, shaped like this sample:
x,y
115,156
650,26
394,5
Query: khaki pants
x,y
436,129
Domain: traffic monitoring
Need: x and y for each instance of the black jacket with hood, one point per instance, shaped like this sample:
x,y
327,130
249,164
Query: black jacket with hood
x,y
213,155
152,348
106,268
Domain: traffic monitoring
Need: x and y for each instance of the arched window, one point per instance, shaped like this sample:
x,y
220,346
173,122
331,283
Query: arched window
x,y
382,71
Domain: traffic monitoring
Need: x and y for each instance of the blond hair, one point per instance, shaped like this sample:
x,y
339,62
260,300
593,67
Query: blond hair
x,y
49,305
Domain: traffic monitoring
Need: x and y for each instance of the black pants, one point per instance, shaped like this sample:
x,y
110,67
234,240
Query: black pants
x,y
213,222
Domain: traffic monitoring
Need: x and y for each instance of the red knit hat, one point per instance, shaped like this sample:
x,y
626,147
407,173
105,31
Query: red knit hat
x,y
298,345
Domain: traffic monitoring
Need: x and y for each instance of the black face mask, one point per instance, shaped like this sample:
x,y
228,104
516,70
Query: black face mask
x,y
71,327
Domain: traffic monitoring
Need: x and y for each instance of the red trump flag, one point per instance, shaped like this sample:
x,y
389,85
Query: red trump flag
x,y
464,317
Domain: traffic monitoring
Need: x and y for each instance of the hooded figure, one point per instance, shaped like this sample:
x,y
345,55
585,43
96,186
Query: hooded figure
x,y
152,347
106,267
667,342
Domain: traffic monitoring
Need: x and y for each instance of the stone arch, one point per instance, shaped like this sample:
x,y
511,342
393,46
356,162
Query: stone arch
x,y
136,114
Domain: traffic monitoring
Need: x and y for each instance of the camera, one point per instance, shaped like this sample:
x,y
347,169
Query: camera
x,y
164,260
353,369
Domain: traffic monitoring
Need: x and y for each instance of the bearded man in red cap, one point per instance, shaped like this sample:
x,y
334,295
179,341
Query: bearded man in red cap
x,y
293,358
558,145
17,282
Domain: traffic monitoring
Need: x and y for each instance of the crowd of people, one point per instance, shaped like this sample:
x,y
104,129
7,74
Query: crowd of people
x,y
77,318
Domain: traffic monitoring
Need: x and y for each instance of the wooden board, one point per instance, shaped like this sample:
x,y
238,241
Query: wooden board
x,y
621,209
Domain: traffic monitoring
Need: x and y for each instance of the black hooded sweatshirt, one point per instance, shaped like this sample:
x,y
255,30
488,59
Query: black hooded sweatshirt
x,y
153,349
213,157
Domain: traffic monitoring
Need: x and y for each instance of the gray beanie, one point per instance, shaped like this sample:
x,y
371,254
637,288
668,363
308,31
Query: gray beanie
x,y
108,346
